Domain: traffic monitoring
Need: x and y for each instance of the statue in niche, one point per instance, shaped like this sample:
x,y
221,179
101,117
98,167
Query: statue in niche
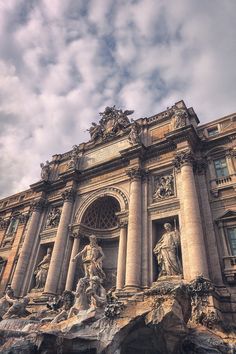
x,y
4,301
164,187
45,171
53,217
92,257
179,117
134,135
41,271
166,252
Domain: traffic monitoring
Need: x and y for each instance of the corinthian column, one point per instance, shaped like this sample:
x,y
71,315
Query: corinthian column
x,y
72,265
26,251
54,271
133,257
192,224
120,281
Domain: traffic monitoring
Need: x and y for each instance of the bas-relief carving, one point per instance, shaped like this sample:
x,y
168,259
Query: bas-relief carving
x,y
164,187
41,271
53,218
167,253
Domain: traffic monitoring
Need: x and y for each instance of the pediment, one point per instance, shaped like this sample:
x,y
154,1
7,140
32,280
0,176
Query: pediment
x,y
228,214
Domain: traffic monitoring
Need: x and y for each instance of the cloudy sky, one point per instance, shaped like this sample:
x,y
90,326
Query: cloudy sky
x,y
63,61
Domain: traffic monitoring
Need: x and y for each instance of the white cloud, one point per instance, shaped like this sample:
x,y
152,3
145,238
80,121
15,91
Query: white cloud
x,y
61,62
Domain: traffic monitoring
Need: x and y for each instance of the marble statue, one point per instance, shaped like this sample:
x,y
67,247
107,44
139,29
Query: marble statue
x,y
166,251
53,217
179,117
113,122
95,131
74,158
164,187
134,135
4,301
92,257
17,308
45,171
81,298
41,271
67,300
96,293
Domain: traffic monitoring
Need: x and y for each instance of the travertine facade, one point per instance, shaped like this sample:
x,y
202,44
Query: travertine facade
x,y
123,185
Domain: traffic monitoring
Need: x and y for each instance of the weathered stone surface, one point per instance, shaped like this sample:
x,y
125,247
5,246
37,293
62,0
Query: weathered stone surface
x,y
156,321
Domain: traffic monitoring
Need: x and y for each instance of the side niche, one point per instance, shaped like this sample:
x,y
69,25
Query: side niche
x,y
163,186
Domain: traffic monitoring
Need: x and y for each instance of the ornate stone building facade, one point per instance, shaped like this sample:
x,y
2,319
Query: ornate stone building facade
x,y
159,193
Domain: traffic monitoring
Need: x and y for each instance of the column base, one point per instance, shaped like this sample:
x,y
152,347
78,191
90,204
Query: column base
x,y
132,288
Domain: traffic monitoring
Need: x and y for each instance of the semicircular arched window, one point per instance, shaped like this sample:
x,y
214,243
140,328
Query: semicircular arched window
x,y
101,214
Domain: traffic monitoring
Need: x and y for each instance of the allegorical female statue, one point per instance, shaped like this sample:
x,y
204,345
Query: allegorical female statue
x,y
166,251
41,271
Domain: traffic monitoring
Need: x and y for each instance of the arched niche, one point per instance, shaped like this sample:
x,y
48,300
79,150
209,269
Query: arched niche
x,y
99,216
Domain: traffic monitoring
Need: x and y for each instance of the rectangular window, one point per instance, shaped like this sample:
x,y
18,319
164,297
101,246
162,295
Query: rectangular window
x,y
213,131
221,168
232,240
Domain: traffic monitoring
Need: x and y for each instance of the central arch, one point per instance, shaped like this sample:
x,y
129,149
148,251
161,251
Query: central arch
x,y
98,215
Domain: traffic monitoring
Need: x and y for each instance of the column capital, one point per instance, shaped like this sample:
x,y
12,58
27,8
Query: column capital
x,y
68,195
183,158
137,173
23,218
123,223
38,205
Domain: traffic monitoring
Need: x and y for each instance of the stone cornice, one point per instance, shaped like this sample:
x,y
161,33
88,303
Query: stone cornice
x,y
187,133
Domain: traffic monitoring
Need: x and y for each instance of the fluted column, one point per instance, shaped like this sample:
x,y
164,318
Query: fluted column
x,y
26,251
60,243
133,257
72,265
192,227
121,263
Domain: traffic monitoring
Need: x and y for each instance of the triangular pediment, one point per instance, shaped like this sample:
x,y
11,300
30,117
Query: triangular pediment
x,y
228,214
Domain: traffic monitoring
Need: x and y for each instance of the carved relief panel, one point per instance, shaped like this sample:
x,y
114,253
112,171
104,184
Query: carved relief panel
x,y
53,218
163,186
